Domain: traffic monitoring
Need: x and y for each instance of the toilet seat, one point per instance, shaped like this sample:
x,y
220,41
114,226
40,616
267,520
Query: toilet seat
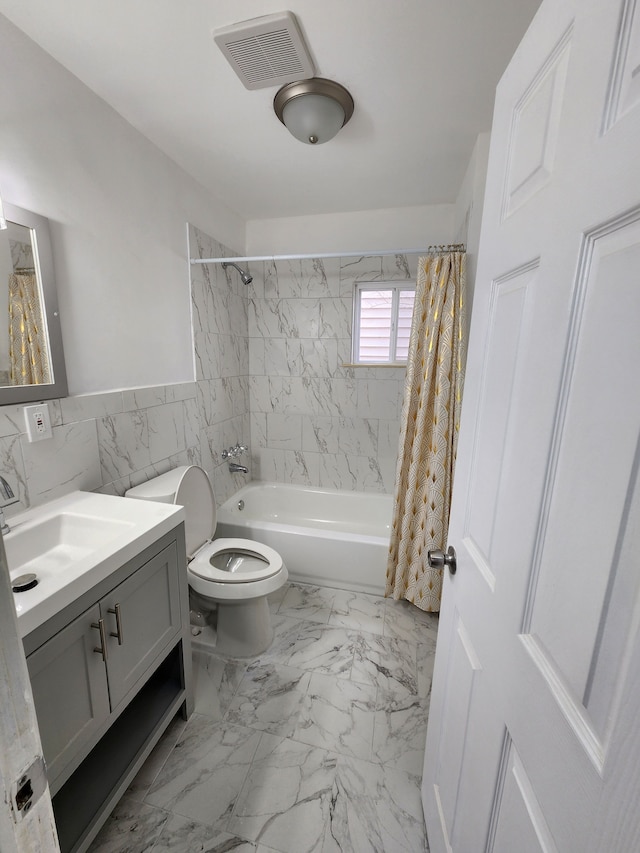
x,y
255,562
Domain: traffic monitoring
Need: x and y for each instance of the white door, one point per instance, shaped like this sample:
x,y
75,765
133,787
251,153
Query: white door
x,y
534,731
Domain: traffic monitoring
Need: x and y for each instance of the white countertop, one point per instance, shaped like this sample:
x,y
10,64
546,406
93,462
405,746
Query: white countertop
x,y
76,541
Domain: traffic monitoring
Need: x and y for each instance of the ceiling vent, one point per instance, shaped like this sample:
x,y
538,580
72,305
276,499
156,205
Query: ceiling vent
x,y
266,51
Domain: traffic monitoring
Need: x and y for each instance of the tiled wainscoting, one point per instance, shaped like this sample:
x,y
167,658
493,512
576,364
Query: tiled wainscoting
x,y
101,442
316,745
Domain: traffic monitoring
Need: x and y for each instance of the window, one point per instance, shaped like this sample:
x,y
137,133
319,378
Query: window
x,y
382,322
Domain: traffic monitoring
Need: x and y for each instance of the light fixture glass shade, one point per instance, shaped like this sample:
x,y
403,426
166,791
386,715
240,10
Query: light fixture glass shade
x,y
313,110
313,119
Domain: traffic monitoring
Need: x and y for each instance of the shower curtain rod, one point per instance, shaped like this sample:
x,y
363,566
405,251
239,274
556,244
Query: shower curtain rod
x,y
439,248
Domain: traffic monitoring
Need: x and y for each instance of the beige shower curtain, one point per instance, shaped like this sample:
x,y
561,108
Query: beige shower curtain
x,y
429,429
28,354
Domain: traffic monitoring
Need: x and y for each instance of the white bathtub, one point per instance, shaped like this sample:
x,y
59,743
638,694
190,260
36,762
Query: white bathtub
x,y
326,537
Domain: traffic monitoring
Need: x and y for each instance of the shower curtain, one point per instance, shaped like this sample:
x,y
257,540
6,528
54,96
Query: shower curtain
x,y
429,429
28,356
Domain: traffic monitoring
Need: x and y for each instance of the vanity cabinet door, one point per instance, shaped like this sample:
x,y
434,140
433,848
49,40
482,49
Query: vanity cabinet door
x,y
69,690
147,608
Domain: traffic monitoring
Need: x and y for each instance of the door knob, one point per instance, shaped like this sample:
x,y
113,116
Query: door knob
x,y
438,559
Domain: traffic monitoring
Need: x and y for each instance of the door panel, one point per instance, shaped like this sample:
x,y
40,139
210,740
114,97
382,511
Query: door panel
x,y
534,128
507,314
624,92
567,617
463,675
520,823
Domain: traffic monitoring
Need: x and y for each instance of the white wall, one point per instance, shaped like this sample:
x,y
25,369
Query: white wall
x,y
369,231
118,208
468,208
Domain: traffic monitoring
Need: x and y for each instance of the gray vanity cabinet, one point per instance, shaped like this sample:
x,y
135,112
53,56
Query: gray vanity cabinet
x,y
145,611
69,690
74,688
108,674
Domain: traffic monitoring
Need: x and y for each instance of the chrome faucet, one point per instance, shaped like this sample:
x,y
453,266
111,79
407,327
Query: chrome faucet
x,y
237,469
233,453
236,451
7,498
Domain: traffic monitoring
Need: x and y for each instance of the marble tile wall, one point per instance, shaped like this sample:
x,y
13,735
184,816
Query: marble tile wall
x,y
270,374
219,316
314,420
101,442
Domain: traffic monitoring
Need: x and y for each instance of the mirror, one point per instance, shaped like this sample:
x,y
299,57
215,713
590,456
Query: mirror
x,y
31,355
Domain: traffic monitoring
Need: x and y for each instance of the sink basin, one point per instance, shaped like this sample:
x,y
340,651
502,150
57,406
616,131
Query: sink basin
x,y
73,543
52,544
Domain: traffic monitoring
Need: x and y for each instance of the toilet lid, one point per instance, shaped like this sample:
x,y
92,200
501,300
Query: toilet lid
x,y
235,561
195,494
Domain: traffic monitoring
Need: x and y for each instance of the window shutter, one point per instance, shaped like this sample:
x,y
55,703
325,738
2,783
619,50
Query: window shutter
x,y
375,325
405,313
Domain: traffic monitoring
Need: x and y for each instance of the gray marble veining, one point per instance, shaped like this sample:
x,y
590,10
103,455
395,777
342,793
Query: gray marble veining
x,y
358,611
403,621
323,648
374,809
312,603
215,683
338,715
182,835
203,776
386,663
269,698
316,745
133,827
400,731
287,801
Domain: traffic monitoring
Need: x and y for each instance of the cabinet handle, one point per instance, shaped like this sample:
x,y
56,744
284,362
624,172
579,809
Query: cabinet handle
x,y
102,648
118,632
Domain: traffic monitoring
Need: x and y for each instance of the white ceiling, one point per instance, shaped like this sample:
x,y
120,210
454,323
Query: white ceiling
x,y
422,74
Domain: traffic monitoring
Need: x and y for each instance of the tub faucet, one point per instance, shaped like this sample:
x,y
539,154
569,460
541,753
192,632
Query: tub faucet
x,y
237,469
6,499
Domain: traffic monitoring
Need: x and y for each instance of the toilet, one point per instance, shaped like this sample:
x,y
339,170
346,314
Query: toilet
x,y
234,575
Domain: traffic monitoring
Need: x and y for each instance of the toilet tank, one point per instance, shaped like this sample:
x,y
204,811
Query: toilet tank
x,y
190,487
162,488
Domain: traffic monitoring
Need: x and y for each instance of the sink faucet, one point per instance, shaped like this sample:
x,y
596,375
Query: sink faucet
x,y
6,499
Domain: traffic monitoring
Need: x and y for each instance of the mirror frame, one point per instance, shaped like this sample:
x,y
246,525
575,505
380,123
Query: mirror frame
x,y
41,240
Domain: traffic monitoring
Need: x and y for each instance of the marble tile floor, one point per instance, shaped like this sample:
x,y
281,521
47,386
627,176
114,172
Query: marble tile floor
x,y
315,746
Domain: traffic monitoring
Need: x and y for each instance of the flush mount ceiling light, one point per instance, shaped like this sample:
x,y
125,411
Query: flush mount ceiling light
x,y
313,110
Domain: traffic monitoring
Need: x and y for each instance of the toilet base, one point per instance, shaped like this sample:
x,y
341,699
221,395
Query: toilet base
x,y
206,640
244,628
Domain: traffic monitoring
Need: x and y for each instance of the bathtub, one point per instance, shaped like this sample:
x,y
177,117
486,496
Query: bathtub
x,y
325,536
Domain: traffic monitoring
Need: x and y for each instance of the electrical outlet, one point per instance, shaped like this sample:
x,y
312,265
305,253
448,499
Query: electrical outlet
x,y
38,422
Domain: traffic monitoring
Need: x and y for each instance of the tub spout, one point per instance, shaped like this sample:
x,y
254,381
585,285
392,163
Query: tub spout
x,y
237,469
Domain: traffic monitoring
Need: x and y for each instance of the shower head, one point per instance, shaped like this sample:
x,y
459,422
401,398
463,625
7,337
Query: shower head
x,y
246,278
